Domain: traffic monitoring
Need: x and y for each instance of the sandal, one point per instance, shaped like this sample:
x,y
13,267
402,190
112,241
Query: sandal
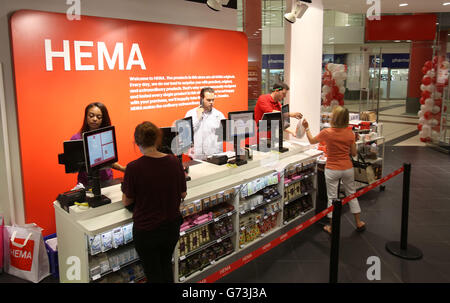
x,y
327,229
361,228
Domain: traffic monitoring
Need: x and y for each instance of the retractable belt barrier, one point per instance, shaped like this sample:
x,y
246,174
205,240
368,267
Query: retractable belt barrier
x,y
263,249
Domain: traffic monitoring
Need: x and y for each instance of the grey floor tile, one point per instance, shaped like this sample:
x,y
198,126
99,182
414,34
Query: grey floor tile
x,y
319,272
280,272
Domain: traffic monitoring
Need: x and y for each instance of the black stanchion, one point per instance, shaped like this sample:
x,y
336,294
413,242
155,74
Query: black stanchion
x,y
335,236
402,249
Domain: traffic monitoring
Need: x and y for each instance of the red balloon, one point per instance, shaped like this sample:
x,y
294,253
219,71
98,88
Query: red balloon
x,y
339,96
437,128
423,139
335,90
422,100
426,94
445,108
435,59
440,87
329,96
341,102
428,64
425,70
419,127
426,80
427,115
446,82
438,102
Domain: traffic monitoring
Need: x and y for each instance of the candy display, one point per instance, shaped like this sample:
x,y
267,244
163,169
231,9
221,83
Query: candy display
x,y
297,207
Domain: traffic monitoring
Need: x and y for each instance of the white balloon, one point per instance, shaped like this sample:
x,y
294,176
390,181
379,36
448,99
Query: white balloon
x,y
422,120
334,103
436,109
431,73
422,87
421,113
422,134
437,95
339,83
342,89
426,129
326,89
426,108
430,88
433,122
445,64
434,134
429,102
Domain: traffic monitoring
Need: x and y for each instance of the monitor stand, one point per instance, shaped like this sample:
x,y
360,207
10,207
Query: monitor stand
x,y
98,199
281,149
239,160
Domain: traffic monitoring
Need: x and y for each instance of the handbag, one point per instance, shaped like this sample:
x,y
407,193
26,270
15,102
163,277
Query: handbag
x,y
363,171
24,250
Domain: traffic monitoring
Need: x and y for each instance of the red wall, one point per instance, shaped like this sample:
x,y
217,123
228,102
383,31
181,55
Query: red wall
x,y
50,103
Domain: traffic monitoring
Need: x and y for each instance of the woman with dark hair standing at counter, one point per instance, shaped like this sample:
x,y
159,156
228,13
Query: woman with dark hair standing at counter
x,y
95,116
155,184
340,142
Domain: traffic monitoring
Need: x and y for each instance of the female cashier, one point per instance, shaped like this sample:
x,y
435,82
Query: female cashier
x,y
95,116
154,185
340,142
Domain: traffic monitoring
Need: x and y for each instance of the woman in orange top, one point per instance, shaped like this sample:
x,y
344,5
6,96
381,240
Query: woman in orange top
x,y
340,143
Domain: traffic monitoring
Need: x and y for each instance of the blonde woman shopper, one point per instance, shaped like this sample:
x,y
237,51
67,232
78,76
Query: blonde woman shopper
x,y
340,142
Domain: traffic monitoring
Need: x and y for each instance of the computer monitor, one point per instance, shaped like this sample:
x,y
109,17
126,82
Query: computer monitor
x,y
285,116
275,116
168,134
242,123
184,134
73,157
100,149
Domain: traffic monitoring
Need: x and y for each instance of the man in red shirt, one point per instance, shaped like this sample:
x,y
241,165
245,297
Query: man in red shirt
x,y
272,103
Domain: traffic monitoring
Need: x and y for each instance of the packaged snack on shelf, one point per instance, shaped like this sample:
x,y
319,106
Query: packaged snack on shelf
x,y
107,241
183,210
190,208
220,198
242,237
113,260
127,233
95,244
117,237
103,263
213,200
198,206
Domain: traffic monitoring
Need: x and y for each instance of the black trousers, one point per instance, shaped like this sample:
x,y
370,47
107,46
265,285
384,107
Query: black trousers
x,y
155,249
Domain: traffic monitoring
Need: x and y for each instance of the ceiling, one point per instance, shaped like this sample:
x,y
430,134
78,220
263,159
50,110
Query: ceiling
x,y
388,6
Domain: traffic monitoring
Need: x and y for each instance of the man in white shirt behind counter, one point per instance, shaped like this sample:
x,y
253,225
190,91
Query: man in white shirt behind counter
x,y
206,121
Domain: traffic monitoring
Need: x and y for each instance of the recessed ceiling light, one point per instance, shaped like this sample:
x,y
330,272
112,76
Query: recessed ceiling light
x,y
446,3
403,4
397,41
332,38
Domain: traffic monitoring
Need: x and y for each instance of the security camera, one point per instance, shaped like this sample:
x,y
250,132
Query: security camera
x,y
298,11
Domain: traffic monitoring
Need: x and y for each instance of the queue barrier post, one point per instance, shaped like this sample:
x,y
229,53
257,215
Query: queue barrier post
x,y
335,237
402,249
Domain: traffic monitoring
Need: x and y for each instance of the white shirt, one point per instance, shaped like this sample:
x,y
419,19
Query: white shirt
x,y
206,141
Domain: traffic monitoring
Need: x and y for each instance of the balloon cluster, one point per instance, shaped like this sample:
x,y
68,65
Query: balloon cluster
x,y
434,81
333,84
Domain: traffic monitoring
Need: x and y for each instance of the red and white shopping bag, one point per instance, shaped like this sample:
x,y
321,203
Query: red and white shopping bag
x,y
25,254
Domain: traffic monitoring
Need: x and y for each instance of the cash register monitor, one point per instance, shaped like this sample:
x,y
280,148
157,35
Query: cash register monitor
x,y
168,134
100,150
242,123
73,156
184,134
285,116
275,116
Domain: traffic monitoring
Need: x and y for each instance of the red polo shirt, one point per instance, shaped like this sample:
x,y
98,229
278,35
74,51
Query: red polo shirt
x,y
265,104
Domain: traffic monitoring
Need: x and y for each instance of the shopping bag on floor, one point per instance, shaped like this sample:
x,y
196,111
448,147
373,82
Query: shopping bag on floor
x,y
24,251
363,171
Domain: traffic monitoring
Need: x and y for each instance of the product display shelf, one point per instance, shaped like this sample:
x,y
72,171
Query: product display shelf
x,y
205,246
73,227
205,267
309,192
265,202
102,275
380,140
215,220
302,214
258,221
259,239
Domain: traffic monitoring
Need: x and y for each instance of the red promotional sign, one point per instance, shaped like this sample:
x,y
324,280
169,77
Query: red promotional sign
x,y
21,257
139,70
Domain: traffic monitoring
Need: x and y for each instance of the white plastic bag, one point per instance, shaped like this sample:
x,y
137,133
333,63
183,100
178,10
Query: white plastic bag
x,y
25,255
300,131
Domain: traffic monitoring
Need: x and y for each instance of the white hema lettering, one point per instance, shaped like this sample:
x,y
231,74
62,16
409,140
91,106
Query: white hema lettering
x,y
135,57
374,12
73,13
374,271
17,253
74,271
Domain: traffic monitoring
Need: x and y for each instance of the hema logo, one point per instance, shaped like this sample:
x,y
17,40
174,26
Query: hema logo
x,y
74,12
374,12
135,57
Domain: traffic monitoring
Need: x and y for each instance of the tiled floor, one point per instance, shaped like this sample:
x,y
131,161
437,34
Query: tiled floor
x,y
304,258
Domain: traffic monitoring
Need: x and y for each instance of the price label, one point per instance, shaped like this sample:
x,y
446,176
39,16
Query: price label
x,y
243,228
265,217
213,262
257,221
216,219
219,240
182,258
229,214
182,233
96,277
242,212
182,279
252,208
116,268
